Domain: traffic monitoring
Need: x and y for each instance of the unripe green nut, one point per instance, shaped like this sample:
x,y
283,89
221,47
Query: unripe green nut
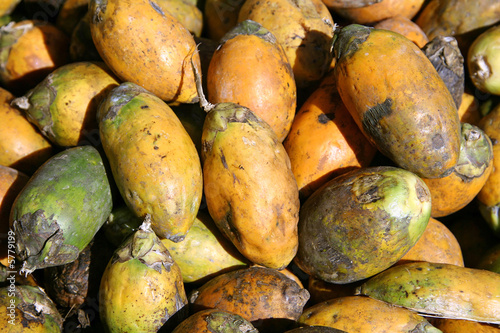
x,y
484,61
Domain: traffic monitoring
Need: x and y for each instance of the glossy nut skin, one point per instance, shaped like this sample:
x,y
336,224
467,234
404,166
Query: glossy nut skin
x,y
324,140
398,99
249,186
268,89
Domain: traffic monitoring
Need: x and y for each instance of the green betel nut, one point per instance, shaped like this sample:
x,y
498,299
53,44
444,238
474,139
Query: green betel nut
x,y
483,61
61,208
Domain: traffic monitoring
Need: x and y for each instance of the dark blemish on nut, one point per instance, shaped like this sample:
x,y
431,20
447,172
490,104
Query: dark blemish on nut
x,y
370,196
157,8
223,160
372,117
423,193
325,118
437,141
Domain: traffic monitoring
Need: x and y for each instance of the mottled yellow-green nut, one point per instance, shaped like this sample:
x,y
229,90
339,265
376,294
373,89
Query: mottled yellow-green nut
x,y
64,105
483,61
442,290
154,162
376,216
141,288
26,308
215,321
476,152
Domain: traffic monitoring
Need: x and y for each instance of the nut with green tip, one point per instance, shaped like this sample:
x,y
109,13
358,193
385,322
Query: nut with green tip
x,y
142,272
346,40
220,116
475,152
63,106
249,27
483,61
473,169
61,208
360,223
